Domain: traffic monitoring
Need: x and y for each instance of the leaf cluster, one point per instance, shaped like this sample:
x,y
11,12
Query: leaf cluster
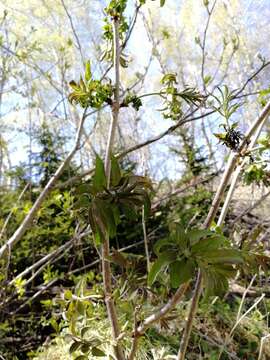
x,y
103,205
231,137
184,252
258,174
116,8
173,97
86,347
226,105
89,92
133,100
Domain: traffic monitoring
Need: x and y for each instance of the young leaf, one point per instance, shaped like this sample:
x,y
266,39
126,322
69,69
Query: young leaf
x,y
88,74
74,85
96,231
74,346
80,307
97,352
105,216
85,348
99,178
164,259
162,2
160,243
115,171
84,330
169,78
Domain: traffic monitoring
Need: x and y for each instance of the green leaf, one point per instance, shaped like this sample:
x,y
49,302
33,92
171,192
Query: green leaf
x,y
162,2
84,330
96,230
115,171
181,238
80,307
105,214
83,189
215,284
129,210
225,270
195,235
224,256
74,85
74,346
159,245
116,214
181,272
169,79
208,244
82,357
85,348
99,178
97,352
88,73
164,259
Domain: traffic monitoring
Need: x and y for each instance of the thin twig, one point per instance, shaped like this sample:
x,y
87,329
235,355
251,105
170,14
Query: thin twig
x,y
238,322
263,339
244,297
163,311
73,30
203,45
250,208
156,316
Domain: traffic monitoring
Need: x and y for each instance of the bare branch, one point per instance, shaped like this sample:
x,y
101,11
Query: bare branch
x,y
73,30
45,192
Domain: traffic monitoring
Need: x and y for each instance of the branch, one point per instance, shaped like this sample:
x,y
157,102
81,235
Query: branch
x,y
45,192
236,175
44,261
250,208
159,314
106,268
211,216
264,65
156,316
188,118
73,29
210,12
